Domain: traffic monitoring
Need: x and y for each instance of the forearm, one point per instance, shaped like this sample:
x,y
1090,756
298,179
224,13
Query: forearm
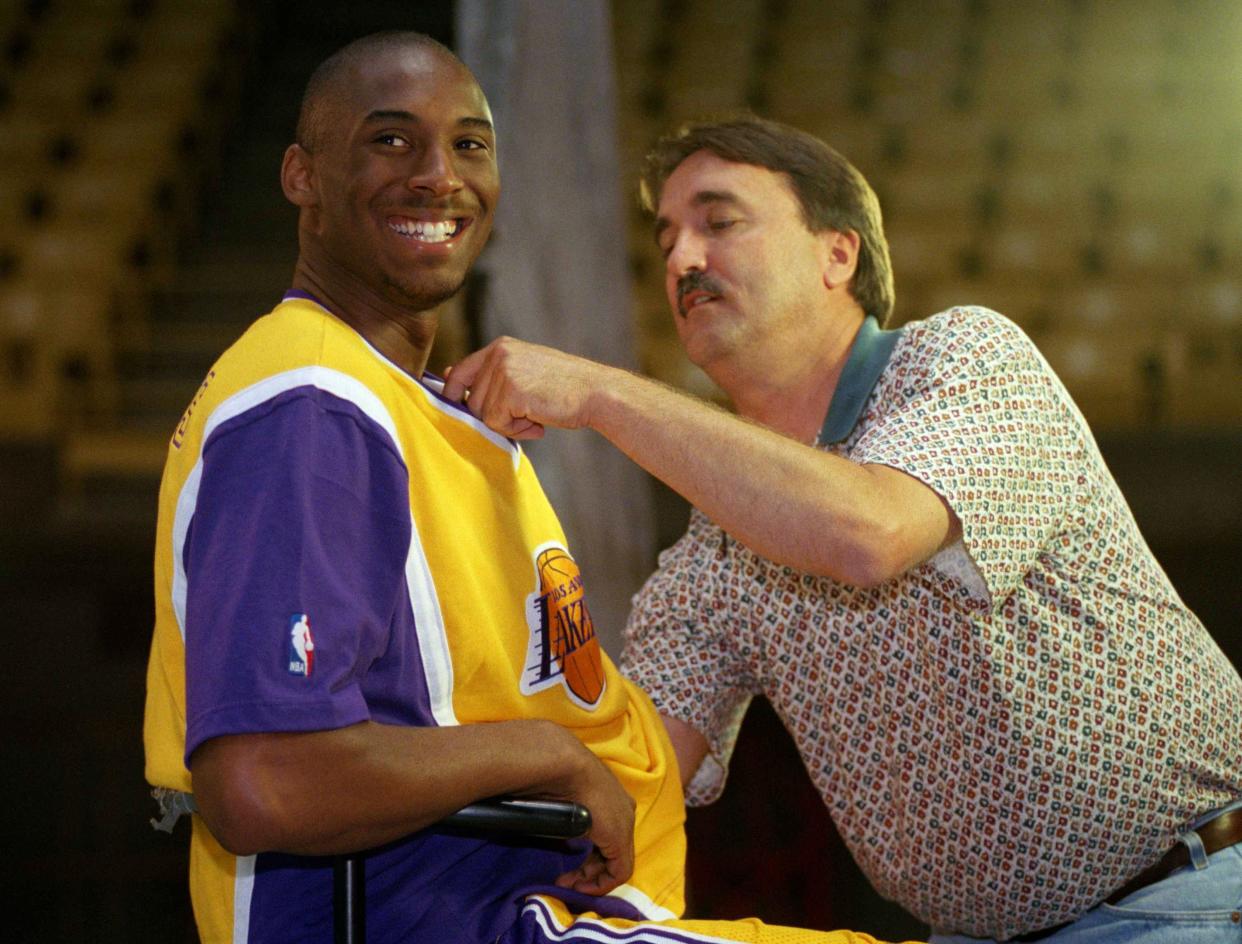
x,y
784,500
336,791
689,746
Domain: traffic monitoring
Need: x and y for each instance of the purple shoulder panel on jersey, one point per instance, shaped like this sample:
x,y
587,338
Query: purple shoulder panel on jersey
x,y
298,614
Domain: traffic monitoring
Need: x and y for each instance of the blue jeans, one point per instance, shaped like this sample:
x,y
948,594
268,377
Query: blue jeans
x,y
1198,904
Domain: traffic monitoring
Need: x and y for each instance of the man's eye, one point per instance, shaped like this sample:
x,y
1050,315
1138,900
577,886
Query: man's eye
x,y
393,140
720,224
471,144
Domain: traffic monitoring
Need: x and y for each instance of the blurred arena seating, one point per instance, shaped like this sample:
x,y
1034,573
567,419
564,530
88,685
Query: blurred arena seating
x,y
1072,164
110,116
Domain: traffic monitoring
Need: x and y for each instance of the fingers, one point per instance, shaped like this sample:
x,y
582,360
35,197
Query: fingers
x,y
472,379
517,388
616,866
481,383
588,780
597,875
611,862
457,379
492,399
525,429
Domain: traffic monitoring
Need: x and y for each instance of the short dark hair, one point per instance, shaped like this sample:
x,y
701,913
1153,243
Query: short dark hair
x,y
832,193
324,81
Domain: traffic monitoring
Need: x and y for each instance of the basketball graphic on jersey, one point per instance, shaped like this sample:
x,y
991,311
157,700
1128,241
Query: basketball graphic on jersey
x,y
563,648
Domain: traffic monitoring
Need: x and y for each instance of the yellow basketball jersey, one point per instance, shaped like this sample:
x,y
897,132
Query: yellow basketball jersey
x,y
490,620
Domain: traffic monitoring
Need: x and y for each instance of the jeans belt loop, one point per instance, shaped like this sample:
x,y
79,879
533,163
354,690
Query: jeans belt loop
x,y
1198,854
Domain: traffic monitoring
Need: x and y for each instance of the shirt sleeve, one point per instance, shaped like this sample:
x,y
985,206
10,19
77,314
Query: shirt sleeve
x,y
976,414
679,649
294,563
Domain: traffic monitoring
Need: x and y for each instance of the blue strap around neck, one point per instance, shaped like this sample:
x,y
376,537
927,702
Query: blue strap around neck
x,y
868,358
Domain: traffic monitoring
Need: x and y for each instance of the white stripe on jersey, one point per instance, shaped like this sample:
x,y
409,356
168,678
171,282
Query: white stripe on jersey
x,y
243,889
638,899
598,929
462,415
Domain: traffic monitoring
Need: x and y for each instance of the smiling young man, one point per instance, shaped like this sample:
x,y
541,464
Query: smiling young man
x,y
909,543
367,616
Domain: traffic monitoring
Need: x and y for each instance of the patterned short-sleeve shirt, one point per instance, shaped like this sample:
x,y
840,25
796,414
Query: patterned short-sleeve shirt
x,y
1006,733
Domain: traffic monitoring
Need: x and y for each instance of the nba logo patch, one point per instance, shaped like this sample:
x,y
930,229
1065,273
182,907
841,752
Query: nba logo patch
x,y
301,645
562,648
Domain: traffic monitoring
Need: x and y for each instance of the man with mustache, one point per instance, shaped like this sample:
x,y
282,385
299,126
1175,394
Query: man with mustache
x,y
367,616
909,543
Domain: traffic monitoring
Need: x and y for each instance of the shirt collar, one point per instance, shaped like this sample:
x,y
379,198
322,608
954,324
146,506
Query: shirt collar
x,y
868,358
307,296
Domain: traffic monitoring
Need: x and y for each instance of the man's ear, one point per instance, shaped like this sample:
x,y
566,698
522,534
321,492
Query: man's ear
x,y
297,176
841,256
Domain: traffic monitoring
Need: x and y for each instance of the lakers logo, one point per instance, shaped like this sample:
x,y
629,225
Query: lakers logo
x,y
563,648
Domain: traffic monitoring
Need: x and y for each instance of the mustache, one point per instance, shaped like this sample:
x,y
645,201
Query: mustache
x,y
695,281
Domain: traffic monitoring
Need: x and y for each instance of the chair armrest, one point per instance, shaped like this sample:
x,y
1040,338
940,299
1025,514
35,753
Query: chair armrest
x,y
546,819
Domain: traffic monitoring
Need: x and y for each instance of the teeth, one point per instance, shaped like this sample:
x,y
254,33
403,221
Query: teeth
x,y
426,231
